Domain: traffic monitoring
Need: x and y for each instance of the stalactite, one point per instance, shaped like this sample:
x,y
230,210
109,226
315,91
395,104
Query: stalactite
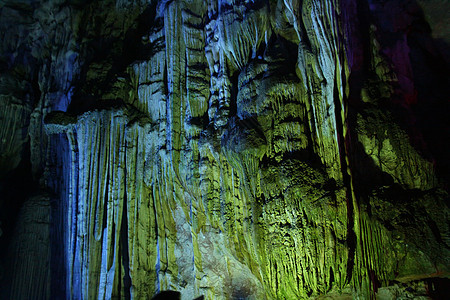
x,y
222,149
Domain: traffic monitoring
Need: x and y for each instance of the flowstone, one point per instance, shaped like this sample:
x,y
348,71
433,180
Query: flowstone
x,y
227,149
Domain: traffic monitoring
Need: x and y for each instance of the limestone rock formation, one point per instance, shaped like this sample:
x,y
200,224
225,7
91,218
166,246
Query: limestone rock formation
x,y
230,149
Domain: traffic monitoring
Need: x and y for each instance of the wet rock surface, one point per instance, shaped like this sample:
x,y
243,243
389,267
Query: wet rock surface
x,y
225,149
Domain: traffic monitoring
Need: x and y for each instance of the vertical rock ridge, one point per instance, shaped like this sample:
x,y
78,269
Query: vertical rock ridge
x,y
220,148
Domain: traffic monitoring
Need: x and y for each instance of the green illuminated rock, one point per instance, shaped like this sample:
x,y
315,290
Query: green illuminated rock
x,y
230,149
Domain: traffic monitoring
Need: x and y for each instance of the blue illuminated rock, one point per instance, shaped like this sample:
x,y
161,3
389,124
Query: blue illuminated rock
x,y
227,149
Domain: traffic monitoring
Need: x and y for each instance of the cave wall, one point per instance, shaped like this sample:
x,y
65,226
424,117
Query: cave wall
x,y
231,149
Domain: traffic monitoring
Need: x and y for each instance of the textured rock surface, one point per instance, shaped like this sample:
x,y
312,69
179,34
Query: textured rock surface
x,y
29,252
231,149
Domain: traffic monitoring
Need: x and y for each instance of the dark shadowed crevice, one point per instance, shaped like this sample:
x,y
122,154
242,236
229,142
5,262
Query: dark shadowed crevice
x,y
430,66
438,288
115,55
124,241
233,93
344,150
58,222
16,187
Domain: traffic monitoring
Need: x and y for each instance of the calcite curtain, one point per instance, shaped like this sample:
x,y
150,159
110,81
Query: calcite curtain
x,y
230,149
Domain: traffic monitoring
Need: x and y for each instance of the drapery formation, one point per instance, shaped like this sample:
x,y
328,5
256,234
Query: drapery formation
x,y
231,149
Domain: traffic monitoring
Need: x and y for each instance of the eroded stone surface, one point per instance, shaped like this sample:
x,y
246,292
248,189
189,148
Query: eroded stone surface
x,y
231,149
